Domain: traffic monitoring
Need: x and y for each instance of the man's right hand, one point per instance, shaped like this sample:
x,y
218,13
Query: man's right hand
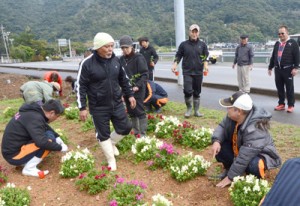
x,y
269,72
83,115
174,67
216,147
233,66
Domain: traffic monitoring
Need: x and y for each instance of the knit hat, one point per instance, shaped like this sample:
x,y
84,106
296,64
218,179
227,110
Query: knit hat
x,y
102,39
55,85
239,100
126,41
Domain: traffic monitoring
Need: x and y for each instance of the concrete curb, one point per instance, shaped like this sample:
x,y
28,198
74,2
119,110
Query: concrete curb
x,y
254,90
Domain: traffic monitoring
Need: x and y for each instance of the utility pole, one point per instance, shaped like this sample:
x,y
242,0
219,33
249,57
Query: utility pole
x,y
179,30
70,50
4,35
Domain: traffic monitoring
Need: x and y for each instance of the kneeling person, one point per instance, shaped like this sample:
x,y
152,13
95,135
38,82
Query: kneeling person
x,y
28,138
242,141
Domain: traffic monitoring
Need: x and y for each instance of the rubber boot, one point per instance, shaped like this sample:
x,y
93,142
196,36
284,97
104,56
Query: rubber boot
x,y
108,151
196,107
135,125
30,168
115,138
143,126
188,103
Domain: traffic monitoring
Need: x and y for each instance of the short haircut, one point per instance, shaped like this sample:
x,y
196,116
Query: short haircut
x,y
53,104
284,27
69,79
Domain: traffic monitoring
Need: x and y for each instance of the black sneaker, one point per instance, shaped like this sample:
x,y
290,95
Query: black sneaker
x,y
220,176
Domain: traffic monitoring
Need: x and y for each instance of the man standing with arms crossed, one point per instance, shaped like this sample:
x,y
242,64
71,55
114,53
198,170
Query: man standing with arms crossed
x,y
194,53
244,60
285,60
102,80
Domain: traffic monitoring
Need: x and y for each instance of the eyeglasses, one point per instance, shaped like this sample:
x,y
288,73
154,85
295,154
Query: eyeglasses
x,y
281,33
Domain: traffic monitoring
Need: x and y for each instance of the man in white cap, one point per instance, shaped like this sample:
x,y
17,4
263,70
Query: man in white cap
x,y
102,80
242,142
194,53
39,92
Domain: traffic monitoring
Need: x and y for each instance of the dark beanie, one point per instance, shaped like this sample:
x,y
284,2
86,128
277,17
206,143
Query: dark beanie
x,y
126,41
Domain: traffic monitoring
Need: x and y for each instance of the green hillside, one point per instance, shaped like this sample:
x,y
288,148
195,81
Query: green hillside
x,y
220,20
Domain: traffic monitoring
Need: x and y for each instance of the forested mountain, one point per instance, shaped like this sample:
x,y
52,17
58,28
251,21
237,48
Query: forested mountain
x,y
220,20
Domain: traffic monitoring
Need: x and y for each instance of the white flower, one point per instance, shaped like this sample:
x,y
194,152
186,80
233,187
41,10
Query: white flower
x,y
29,188
12,185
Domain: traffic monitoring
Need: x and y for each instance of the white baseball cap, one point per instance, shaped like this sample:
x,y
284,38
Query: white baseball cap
x,y
102,39
239,100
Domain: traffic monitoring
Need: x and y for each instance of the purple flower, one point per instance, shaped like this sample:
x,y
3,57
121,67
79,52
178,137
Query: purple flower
x,y
150,163
113,203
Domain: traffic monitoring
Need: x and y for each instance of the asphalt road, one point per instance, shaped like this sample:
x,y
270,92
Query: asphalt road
x,y
221,82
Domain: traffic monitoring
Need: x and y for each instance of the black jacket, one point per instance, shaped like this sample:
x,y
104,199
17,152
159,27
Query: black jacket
x,y
102,81
290,55
27,126
194,53
136,69
150,55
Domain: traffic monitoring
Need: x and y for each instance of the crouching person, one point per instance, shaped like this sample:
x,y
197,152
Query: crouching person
x,y
28,138
156,96
242,141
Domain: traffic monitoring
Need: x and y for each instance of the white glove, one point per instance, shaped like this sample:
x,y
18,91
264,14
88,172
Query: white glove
x,y
59,141
64,147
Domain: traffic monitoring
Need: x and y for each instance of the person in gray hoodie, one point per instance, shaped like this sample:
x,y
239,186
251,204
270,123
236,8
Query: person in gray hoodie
x,y
242,142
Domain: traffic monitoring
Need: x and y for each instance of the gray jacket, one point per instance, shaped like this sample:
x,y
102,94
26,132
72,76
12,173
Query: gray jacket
x,y
252,141
244,55
34,91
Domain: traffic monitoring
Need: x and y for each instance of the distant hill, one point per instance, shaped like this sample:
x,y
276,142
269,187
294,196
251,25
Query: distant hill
x,y
220,20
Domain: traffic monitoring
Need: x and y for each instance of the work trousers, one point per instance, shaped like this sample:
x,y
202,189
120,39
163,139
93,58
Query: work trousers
x,y
192,85
284,81
119,119
30,150
226,156
243,78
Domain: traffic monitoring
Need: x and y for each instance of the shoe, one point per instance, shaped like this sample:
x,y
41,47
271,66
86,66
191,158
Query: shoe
x,y
290,109
220,176
279,107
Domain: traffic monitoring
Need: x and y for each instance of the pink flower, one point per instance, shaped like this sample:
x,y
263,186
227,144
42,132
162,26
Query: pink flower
x,y
81,176
120,180
139,196
113,203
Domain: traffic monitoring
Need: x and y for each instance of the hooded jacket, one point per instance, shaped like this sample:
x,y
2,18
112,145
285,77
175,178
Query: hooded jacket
x,y
194,53
136,69
252,141
102,81
27,126
34,91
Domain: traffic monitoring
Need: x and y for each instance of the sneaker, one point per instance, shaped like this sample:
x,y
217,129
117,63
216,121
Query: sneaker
x,y
290,109
279,107
220,176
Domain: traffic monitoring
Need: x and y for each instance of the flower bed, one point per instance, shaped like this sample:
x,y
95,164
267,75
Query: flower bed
x,y
76,162
248,190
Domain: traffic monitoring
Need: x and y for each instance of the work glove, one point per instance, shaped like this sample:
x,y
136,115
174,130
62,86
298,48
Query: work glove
x,y
64,147
59,141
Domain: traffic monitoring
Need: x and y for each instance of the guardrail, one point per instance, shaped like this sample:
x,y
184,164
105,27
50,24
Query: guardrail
x,y
226,57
